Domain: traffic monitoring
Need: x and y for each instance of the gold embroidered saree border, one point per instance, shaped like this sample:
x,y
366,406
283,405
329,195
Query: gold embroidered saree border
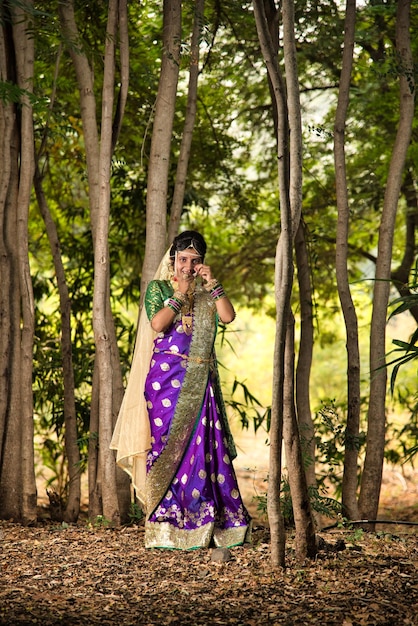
x,y
234,536
189,403
165,535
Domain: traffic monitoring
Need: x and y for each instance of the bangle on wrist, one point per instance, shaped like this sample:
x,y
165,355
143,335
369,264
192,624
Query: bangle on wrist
x,y
217,292
211,284
178,295
175,305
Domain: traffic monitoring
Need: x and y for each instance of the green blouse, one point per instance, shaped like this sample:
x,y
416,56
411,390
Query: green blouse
x,y
158,291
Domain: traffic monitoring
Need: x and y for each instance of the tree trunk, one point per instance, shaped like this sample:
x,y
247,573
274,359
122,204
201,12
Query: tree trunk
x,y
283,288
25,58
305,528
122,479
98,155
274,512
158,169
124,70
401,276
73,500
85,84
101,280
373,465
17,471
123,482
186,140
304,363
7,175
72,507
289,145
11,434
93,470
349,491
305,544
88,113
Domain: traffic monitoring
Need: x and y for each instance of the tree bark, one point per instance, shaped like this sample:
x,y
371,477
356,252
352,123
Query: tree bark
x,y
305,527
283,288
124,70
17,471
93,470
72,505
158,169
401,276
107,374
289,145
349,490
304,362
189,122
25,58
101,280
373,465
10,421
11,434
7,131
85,84
123,483
73,499
305,543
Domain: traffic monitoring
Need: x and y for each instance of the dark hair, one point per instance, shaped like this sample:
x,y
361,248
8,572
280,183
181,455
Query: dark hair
x,y
188,239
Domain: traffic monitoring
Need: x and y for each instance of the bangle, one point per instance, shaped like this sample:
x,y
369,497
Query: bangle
x,y
211,284
181,297
175,305
217,292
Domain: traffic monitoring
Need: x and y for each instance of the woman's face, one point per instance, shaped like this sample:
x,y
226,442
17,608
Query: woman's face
x,y
185,264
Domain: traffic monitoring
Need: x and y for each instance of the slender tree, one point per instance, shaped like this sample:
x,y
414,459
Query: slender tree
x,y
305,528
283,407
189,122
373,465
349,493
283,288
99,149
17,474
159,159
305,542
73,500
72,504
401,275
305,354
284,420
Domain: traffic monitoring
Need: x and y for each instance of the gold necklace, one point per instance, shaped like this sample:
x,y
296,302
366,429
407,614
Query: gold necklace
x,y
187,307
187,314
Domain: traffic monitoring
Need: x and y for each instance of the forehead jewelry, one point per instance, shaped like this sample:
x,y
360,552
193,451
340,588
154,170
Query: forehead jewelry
x,y
192,247
190,250
186,251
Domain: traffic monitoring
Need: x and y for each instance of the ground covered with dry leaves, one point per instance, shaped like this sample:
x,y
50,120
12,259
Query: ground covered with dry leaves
x,y
88,574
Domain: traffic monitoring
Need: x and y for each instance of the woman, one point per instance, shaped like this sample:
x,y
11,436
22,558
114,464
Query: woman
x,y
190,490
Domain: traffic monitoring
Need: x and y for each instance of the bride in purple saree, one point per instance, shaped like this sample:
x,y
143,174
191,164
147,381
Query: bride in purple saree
x,y
189,488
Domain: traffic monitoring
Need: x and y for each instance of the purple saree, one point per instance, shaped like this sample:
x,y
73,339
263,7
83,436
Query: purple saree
x,y
191,488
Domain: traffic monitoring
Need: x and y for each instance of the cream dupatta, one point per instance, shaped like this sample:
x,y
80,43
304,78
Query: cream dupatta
x,y
132,436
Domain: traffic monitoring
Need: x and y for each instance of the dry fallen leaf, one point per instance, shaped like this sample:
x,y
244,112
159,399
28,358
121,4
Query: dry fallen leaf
x,y
79,576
